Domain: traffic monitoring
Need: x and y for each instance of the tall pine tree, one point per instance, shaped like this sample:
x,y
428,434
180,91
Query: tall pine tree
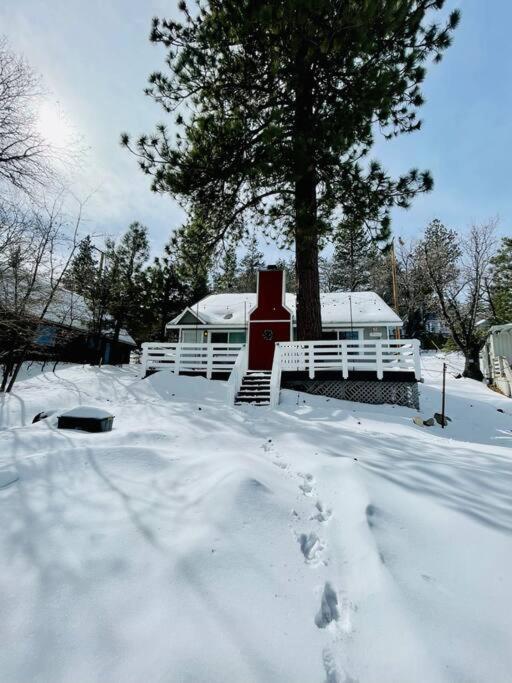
x,y
164,296
250,264
193,258
500,287
128,259
354,253
226,279
278,102
83,270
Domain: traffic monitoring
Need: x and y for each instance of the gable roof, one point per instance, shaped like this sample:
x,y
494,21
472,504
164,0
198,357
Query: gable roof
x,y
188,317
66,308
360,308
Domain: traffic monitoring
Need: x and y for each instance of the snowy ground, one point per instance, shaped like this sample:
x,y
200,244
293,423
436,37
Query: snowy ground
x,y
323,542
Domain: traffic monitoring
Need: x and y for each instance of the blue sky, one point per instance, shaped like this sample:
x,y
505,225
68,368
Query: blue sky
x,y
95,57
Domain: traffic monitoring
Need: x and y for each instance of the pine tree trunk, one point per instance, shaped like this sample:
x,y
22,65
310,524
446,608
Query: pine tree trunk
x,y
472,363
309,320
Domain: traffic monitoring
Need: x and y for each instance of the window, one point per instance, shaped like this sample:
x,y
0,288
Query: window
x,y
45,335
219,337
228,337
237,337
193,337
349,334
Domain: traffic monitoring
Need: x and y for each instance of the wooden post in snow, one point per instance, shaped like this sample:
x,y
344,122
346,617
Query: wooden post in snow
x,y
444,397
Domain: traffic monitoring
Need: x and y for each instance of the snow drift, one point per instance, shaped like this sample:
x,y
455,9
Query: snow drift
x,y
196,542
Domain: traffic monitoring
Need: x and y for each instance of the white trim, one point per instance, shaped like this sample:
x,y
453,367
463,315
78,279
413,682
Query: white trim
x,y
184,312
274,320
206,326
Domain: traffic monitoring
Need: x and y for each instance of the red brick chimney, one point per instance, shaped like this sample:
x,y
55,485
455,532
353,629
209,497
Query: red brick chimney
x,y
270,321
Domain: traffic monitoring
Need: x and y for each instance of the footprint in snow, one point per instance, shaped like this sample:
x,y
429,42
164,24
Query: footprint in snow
x,y
322,514
329,610
282,465
307,485
311,547
331,671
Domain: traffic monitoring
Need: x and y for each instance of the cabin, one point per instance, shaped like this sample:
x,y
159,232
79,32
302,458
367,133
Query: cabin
x,y
224,318
496,358
61,331
251,340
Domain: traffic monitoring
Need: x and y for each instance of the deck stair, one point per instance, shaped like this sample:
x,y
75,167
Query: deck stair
x,y
255,388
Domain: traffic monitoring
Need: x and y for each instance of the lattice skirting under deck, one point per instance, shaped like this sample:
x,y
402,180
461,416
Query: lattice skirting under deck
x,y
376,392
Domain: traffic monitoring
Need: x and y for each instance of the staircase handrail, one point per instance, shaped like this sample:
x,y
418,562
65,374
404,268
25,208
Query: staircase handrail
x,y
275,377
237,374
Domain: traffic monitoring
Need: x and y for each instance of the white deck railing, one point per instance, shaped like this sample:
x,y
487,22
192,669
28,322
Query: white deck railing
x,y
379,356
196,358
237,374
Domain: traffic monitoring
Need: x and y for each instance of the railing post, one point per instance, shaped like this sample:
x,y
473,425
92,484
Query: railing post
x,y
344,359
311,360
178,359
209,361
378,357
417,359
144,361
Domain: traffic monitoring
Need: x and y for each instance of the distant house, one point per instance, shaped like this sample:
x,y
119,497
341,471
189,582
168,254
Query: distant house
x,y
64,332
434,324
224,318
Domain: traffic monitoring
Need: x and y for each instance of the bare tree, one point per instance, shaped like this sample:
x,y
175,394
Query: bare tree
x,y
415,293
24,154
457,268
32,266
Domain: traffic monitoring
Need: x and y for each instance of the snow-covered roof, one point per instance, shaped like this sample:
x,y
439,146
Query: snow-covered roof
x,y
66,308
507,327
362,308
71,309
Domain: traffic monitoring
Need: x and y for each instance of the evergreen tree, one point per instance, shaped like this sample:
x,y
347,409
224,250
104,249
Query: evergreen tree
x,y
193,259
164,297
283,97
83,270
288,266
92,275
227,278
354,252
250,264
127,261
500,288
